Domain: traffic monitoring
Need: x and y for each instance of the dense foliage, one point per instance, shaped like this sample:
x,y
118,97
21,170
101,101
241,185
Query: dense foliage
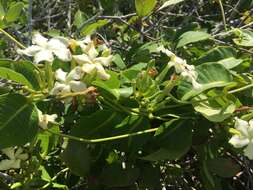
x,y
115,94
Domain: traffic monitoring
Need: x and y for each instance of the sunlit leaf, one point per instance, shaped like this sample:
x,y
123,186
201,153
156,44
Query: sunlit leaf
x,y
191,37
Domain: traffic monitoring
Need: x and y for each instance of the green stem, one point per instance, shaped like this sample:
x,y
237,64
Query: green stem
x,y
55,177
223,15
12,38
240,89
103,139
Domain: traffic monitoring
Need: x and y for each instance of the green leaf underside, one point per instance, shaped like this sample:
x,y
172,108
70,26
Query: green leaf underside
x,y
210,75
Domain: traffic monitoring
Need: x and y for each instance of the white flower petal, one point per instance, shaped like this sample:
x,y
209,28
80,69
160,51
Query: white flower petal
x,y
89,68
30,51
91,51
101,72
63,54
82,59
238,142
248,151
75,74
43,55
51,118
242,126
250,129
77,86
60,88
104,60
9,164
166,51
196,85
59,48
60,75
39,40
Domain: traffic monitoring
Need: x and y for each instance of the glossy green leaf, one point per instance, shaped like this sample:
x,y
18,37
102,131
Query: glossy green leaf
x,y
29,71
215,110
230,63
244,37
87,30
168,3
210,75
118,61
14,76
177,143
79,18
217,54
191,37
14,12
18,120
115,176
77,157
144,7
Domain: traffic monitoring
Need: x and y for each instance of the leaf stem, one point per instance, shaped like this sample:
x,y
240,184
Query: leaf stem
x,y
103,139
12,38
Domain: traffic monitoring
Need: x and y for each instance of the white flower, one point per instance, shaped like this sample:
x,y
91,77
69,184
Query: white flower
x,y
89,60
44,119
244,137
14,158
181,67
44,49
67,83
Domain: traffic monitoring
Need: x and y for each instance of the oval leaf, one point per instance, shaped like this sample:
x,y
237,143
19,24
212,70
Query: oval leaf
x,y
18,120
191,37
144,7
210,75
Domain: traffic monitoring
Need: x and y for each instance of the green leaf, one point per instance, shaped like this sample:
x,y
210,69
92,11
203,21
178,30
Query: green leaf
x,y
79,18
47,140
2,12
118,61
176,144
14,12
77,157
169,3
215,110
14,76
244,37
18,120
115,176
97,125
217,54
223,167
109,88
210,75
230,63
29,71
191,37
144,7
87,30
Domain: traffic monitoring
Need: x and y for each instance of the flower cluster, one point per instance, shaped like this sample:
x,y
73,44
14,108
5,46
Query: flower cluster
x,y
90,61
15,158
181,67
243,136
